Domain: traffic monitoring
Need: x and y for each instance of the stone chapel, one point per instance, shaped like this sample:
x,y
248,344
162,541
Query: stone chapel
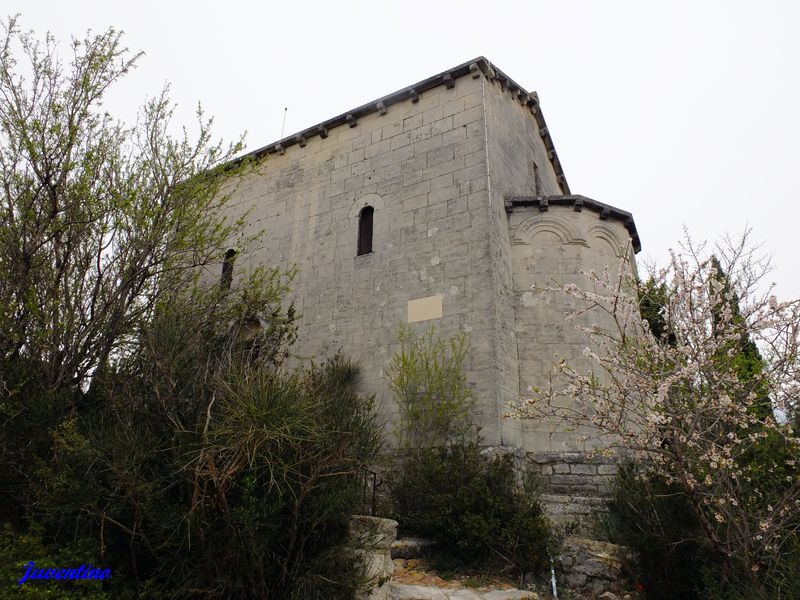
x,y
442,203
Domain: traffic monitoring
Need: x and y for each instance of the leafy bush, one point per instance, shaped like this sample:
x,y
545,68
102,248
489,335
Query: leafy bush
x,y
473,507
198,466
445,488
427,377
673,557
654,520
18,549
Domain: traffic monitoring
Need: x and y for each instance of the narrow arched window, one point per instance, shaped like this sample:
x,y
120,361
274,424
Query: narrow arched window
x,y
227,269
537,179
365,230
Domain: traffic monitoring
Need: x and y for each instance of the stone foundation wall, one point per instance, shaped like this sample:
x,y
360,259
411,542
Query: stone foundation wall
x,y
571,473
574,487
562,473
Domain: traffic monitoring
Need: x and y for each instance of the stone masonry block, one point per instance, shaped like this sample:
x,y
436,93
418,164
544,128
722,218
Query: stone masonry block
x,y
442,126
444,194
474,172
456,205
415,203
415,189
377,148
450,166
583,469
432,114
441,181
412,122
455,137
422,146
453,107
468,116
439,155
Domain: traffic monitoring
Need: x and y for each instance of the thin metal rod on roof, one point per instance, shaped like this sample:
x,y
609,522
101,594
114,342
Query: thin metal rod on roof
x,y
283,126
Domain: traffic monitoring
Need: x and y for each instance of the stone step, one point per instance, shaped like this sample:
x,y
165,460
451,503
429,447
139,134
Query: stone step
x,y
399,591
411,547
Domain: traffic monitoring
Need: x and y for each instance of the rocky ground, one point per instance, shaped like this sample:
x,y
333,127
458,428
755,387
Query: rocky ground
x,y
593,568
588,570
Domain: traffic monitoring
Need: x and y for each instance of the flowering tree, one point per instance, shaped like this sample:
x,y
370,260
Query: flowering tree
x,y
692,391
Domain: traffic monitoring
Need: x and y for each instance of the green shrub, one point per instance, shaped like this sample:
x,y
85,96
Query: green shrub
x,y
654,520
427,377
443,487
199,466
18,549
673,558
472,507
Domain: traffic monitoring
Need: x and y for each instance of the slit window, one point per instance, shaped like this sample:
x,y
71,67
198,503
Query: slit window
x,y
537,179
365,230
227,269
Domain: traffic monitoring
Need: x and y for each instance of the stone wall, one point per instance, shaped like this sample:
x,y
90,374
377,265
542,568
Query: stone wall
x,y
548,248
518,165
422,166
438,162
571,473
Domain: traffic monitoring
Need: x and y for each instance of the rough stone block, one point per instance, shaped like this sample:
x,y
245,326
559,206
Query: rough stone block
x,y
510,595
462,595
442,126
401,591
468,116
422,146
412,122
377,148
583,469
411,547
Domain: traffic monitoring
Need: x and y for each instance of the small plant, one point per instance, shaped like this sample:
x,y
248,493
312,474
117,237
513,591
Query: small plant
x,y
427,377
19,548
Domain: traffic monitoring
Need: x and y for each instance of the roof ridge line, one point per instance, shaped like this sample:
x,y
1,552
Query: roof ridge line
x,y
477,67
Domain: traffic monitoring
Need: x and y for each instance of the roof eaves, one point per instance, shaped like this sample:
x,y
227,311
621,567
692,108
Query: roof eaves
x,y
475,68
578,203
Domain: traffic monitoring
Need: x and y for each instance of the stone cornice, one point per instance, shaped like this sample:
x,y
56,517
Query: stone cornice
x,y
578,203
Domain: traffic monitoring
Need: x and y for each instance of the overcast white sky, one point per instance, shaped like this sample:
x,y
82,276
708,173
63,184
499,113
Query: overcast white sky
x,y
684,113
